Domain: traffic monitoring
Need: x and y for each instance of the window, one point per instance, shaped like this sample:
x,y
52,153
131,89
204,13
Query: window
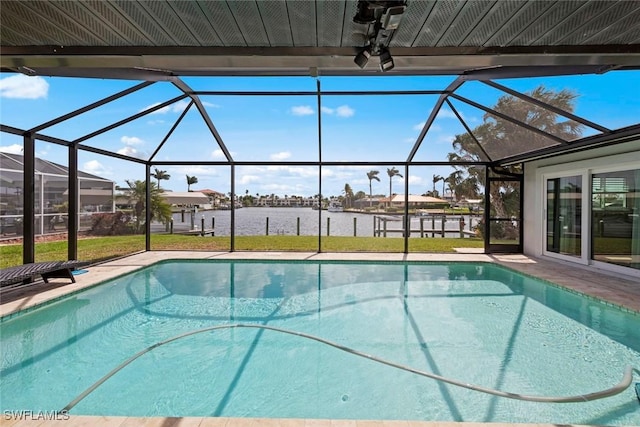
x,y
615,217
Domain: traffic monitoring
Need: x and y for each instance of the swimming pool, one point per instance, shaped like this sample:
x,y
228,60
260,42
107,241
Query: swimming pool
x,y
477,323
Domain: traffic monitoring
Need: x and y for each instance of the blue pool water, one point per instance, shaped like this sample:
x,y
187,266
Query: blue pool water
x,y
477,323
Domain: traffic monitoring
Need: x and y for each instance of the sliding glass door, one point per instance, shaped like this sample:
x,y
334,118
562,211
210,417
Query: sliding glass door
x,y
564,215
593,217
615,217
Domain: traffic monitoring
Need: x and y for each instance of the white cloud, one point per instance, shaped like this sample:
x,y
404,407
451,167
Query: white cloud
x,y
210,104
131,140
198,171
345,111
12,149
445,139
248,179
445,113
177,107
433,127
24,87
278,189
297,171
219,154
341,111
131,152
163,110
414,179
283,155
302,110
43,150
96,168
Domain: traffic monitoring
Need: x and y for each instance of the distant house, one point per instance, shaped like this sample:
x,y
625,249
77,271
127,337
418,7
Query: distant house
x,y
174,198
416,201
95,194
216,198
187,198
290,201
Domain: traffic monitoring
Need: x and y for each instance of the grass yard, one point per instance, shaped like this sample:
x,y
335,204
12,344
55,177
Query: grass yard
x,y
103,248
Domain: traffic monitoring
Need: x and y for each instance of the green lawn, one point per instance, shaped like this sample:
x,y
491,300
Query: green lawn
x,y
102,248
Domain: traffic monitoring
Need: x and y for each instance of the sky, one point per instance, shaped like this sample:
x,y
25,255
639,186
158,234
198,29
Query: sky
x,y
281,128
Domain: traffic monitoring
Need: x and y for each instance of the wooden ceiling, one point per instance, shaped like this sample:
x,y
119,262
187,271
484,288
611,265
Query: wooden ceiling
x,y
152,39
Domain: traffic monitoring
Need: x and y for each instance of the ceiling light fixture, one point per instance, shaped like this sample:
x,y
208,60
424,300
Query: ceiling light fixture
x,y
386,60
382,18
362,57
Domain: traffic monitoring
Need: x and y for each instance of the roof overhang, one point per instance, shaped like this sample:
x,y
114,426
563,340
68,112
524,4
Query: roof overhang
x,y
152,39
159,63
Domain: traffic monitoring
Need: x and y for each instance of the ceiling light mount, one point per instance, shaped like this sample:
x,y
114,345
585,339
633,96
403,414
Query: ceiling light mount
x,y
27,71
382,18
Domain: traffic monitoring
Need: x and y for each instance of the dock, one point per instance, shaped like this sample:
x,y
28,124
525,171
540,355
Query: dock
x,y
196,232
380,228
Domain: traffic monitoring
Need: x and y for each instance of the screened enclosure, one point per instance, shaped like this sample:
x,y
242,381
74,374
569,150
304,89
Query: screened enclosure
x,y
333,169
51,194
386,126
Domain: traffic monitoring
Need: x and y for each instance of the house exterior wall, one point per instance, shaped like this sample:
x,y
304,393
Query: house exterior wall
x,y
619,156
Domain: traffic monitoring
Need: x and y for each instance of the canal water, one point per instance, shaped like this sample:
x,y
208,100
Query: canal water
x,y
284,221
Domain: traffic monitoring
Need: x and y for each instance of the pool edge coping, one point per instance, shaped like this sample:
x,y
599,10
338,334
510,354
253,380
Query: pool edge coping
x,y
307,257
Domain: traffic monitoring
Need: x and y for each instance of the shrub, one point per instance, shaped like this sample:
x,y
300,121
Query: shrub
x,y
111,224
500,230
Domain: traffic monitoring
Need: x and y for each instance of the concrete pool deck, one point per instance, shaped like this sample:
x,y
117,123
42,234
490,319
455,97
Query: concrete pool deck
x,y
617,290
622,291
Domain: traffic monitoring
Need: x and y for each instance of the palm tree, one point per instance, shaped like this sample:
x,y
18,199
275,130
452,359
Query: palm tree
x,y
160,175
436,178
392,172
469,187
348,195
372,175
137,195
191,180
453,180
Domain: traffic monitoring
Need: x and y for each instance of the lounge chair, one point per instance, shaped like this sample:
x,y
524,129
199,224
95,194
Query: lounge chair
x,y
48,270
